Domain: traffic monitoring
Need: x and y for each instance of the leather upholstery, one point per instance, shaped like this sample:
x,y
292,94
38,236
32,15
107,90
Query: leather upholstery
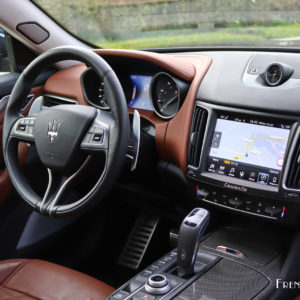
x,y
24,279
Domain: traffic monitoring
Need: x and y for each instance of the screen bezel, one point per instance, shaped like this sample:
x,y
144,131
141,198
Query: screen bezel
x,y
222,180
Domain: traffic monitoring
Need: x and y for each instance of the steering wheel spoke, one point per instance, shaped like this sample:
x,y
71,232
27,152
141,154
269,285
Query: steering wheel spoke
x,y
23,129
57,184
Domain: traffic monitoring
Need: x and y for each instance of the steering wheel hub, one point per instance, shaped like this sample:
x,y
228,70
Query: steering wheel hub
x,y
58,133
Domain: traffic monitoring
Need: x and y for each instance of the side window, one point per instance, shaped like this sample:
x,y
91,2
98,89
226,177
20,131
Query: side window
x,y
4,60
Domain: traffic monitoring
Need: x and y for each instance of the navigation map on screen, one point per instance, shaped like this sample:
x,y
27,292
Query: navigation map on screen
x,y
248,151
252,144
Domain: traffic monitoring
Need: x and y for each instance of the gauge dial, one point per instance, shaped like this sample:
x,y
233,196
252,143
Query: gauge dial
x,y
101,99
273,74
165,95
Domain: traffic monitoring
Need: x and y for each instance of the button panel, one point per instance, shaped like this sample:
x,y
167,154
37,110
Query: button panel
x,y
96,138
95,135
24,128
135,288
262,207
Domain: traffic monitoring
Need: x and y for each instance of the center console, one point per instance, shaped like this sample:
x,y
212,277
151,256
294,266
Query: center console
x,y
231,263
246,161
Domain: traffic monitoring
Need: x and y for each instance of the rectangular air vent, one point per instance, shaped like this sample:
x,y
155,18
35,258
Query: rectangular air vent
x,y
197,134
293,172
52,100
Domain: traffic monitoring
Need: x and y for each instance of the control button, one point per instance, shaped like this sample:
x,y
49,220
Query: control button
x,y
273,211
224,199
259,210
22,122
252,176
202,193
191,173
253,70
232,171
212,167
92,129
30,130
146,273
263,178
98,130
31,122
22,127
141,278
215,200
120,295
167,258
97,137
161,263
235,202
87,138
173,254
222,169
143,296
274,180
248,207
242,174
154,268
248,202
27,121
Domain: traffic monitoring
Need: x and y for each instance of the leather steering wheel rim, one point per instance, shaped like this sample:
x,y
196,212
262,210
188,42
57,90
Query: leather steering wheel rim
x,y
116,130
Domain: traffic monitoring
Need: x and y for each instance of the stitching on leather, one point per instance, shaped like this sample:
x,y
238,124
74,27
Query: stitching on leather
x,y
15,271
24,263
21,292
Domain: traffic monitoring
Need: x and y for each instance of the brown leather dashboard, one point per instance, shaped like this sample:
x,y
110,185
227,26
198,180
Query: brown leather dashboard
x,y
171,135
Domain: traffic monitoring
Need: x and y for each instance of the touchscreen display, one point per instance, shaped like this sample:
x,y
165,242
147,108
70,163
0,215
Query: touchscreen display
x,y
248,149
140,94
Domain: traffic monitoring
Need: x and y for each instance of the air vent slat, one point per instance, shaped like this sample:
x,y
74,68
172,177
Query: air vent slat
x,y
293,178
197,135
53,100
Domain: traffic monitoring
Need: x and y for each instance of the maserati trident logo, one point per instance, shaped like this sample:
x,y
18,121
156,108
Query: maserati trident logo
x,y
53,130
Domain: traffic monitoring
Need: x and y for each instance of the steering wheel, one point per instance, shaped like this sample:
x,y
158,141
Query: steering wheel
x,y
66,136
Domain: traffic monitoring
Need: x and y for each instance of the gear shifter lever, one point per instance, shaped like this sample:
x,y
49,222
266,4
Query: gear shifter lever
x,y
191,231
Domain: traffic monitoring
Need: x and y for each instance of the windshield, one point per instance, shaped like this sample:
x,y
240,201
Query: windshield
x,y
136,24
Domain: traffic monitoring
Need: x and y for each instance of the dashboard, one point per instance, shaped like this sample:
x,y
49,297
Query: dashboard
x,y
228,119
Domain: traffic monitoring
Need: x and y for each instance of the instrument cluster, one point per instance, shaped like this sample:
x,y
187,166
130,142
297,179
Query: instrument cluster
x,y
162,93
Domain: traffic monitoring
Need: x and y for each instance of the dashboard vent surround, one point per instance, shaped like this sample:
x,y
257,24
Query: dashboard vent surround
x,y
53,100
293,173
197,135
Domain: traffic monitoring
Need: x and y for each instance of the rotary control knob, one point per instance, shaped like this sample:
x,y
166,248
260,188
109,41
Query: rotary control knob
x,y
157,284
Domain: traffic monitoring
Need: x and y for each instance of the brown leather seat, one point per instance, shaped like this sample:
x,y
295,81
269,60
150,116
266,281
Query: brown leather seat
x,y
36,279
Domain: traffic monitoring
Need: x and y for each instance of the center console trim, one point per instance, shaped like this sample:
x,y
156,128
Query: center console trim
x,y
273,195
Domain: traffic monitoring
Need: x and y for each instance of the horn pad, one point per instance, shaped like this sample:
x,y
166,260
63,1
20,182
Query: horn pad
x,y
58,133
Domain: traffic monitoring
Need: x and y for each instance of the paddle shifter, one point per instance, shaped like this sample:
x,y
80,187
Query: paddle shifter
x,y
191,231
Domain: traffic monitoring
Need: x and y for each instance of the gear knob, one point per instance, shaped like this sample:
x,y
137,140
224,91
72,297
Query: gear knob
x,y
191,231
